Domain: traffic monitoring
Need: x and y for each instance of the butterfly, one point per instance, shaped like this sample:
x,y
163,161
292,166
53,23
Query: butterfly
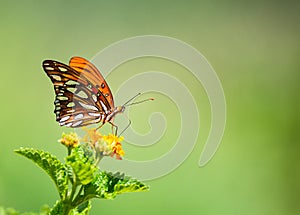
x,y
82,95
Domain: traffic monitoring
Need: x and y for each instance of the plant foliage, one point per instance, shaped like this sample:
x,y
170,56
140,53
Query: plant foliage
x,y
78,180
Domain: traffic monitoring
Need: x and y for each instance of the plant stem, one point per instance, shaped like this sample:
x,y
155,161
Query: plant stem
x,y
74,187
67,208
75,202
69,150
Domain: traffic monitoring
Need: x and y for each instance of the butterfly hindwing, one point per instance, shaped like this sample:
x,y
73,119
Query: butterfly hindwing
x,y
79,101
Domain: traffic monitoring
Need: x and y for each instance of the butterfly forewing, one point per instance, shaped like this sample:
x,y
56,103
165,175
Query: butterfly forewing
x,y
94,76
80,100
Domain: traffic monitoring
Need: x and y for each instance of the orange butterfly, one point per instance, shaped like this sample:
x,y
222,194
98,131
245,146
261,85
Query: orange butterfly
x,y
82,95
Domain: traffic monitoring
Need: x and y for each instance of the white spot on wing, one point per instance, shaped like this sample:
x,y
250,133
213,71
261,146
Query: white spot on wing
x,y
91,107
71,104
62,69
94,97
64,118
103,106
71,89
56,77
82,94
78,116
62,98
77,123
71,82
69,124
94,114
49,68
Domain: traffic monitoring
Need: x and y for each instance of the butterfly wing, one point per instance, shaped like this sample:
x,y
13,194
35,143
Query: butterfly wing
x,y
93,74
79,100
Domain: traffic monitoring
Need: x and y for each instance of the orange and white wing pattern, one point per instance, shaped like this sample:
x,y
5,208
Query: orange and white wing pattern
x,y
82,95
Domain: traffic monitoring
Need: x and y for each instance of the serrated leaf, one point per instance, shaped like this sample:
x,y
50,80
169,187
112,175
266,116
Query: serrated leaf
x,y
82,166
57,209
107,185
84,208
50,164
126,184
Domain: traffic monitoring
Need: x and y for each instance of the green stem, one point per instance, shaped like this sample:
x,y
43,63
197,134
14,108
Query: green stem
x,y
67,209
74,187
80,190
76,202
98,159
69,150
68,204
69,153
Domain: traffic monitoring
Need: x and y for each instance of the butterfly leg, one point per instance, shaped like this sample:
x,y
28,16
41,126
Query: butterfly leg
x,y
100,126
114,126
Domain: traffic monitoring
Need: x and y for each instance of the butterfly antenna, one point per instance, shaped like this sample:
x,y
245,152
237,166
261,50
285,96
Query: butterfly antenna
x,y
132,98
134,103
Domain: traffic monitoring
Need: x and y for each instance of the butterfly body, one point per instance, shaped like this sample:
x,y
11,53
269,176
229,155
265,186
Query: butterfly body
x,y
82,95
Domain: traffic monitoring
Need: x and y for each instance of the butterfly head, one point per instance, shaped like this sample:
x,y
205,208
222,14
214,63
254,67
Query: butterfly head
x,y
120,109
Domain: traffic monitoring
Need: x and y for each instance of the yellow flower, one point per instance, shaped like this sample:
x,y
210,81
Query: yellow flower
x,y
111,138
70,140
92,136
104,145
115,146
117,150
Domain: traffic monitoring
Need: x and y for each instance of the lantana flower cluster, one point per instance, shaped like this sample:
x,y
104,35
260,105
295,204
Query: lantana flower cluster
x,y
103,145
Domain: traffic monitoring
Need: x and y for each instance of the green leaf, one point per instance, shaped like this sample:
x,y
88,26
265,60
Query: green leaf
x,y
57,209
50,164
125,184
107,185
129,184
45,210
8,211
11,211
84,208
83,168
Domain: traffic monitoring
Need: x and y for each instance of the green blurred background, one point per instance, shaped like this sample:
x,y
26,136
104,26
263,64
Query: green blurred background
x,y
254,48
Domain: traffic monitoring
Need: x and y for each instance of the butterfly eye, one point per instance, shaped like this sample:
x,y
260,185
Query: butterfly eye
x,y
102,85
